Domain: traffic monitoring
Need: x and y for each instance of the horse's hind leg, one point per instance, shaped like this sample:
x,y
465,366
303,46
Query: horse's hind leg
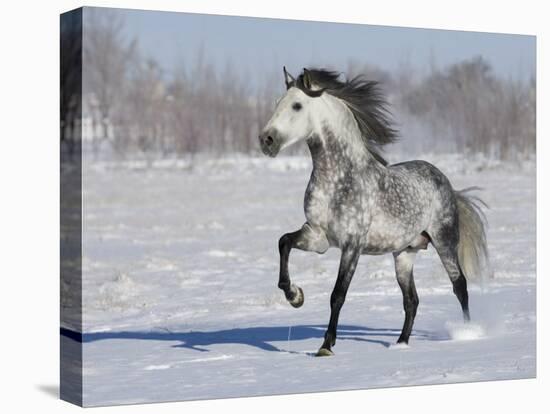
x,y
460,286
447,249
307,238
404,262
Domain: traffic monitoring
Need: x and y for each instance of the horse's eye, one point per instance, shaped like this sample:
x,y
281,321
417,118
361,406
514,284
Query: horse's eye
x,y
296,106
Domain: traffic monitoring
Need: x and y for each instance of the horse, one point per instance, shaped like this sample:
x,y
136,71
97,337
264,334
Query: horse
x,y
356,202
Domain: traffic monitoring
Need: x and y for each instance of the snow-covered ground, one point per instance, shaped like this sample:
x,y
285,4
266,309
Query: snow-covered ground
x,y
181,302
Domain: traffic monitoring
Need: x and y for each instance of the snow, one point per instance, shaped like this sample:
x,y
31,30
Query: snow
x,y
180,293
465,332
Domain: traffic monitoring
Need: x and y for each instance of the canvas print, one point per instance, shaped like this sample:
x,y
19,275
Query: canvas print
x,y
255,206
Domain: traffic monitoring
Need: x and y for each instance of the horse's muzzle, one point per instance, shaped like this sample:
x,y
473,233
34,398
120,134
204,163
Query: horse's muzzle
x,y
270,142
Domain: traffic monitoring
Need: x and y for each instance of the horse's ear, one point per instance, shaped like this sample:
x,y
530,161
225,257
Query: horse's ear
x,y
307,84
289,79
307,79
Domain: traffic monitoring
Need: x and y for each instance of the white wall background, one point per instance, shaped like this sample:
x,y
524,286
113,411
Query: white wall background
x,y
30,203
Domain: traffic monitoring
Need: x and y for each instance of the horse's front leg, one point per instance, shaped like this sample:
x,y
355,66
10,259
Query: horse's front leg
x,y
348,263
308,238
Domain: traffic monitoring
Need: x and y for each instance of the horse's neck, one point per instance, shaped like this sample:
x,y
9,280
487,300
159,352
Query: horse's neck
x,y
338,143
333,154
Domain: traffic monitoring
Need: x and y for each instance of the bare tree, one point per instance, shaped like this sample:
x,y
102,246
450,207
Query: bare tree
x,y
107,58
70,83
146,109
477,111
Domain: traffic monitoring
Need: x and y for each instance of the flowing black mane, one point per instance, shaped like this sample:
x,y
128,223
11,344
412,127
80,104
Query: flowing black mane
x,y
363,97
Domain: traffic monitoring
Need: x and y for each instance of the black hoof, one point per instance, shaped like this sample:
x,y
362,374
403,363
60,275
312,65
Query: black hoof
x,y
298,299
323,352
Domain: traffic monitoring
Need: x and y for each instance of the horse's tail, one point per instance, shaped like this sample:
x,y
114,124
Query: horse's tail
x,y
473,255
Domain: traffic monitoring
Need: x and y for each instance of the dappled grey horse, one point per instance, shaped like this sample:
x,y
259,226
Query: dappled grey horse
x,y
358,203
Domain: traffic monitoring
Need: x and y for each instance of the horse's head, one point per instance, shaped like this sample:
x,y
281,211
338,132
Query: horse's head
x,y
293,119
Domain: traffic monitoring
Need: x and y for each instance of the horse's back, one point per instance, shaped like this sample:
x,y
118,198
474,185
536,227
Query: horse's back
x,y
423,168
424,174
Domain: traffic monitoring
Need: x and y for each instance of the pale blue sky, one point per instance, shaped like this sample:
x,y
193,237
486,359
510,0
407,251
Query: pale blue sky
x,y
257,45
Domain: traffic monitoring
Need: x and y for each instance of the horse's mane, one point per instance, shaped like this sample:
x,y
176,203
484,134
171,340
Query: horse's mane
x,y
365,100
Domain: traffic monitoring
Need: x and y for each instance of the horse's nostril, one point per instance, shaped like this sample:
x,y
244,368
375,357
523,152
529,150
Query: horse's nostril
x,y
269,140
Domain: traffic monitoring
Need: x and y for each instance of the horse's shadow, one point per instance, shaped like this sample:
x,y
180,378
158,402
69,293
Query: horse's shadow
x,y
259,336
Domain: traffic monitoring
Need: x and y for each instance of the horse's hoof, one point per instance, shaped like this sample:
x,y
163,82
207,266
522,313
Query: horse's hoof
x,y
298,299
323,352
399,345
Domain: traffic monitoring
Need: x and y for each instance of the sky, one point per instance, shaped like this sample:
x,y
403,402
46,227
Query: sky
x,y
259,45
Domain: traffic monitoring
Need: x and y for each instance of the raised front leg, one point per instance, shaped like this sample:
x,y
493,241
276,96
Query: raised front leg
x,y
348,263
404,262
308,238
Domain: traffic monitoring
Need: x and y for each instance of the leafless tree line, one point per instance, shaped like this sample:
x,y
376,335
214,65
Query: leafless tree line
x,y
131,107
70,104
470,107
